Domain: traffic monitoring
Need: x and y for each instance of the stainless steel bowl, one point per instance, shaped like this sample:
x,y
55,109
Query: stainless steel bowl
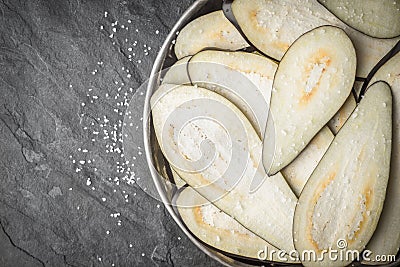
x,y
155,159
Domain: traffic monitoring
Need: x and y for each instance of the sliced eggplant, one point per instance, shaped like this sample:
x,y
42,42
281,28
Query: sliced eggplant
x,y
386,239
214,148
209,31
273,25
337,122
379,19
217,229
298,172
316,74
177,73
245,79
340,205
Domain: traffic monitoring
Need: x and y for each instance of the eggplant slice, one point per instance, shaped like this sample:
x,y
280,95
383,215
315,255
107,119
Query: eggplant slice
x,y
340,205
212,30
337,122
298,172
245,79
316,74
214,148
273,25
380,19
386,239
217,229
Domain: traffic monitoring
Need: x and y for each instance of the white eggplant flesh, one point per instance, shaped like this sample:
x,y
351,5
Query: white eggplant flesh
x,y
316,74
177,73
245,79
380,19
386,239
298,172
214,148
337,122
212,30
273,25
219,230
340,205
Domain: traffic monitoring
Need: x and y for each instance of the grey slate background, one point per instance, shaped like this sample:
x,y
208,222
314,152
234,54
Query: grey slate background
x,y
68,197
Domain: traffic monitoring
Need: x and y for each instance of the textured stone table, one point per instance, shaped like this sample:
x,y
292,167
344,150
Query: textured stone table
x,y
68,195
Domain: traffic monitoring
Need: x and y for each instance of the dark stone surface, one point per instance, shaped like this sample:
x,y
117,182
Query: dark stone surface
x,y
66,194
